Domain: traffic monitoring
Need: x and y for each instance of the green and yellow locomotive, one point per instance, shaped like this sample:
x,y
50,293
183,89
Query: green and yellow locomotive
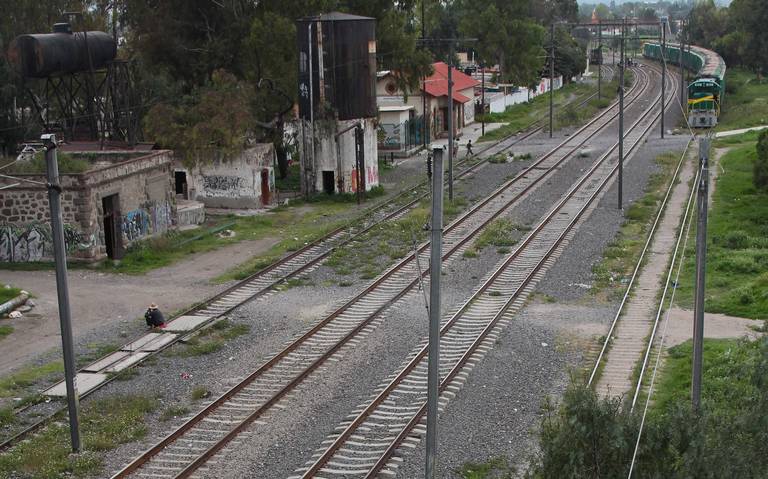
x,y
707,91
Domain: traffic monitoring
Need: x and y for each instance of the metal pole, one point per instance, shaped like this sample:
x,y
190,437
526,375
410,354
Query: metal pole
x,y
621,118
701,272
551,79
683,87
62,288
450,124
424,125
433,370
600,65
311,175
663,73
482,100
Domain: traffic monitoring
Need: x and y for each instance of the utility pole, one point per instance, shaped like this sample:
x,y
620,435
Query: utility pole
x,y
424,124
600,65
683,86
62,288
663,73
551,79
435,265
482,99
450,123
701,273
621,116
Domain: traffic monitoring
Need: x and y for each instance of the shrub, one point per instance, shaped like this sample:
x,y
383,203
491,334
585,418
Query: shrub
x,y
760,178
736,240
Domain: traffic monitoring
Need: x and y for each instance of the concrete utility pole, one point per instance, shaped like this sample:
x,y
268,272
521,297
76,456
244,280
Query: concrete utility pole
x,y
701,273
600,64
551,79
450,124
683,86
482,100
424,124
435,265
621,117
663,73
62,288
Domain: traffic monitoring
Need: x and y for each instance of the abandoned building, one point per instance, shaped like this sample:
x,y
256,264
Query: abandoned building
x,y
244,181
121,197
337,103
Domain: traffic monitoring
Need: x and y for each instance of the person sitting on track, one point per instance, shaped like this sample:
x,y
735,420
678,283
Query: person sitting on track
x,y
154,317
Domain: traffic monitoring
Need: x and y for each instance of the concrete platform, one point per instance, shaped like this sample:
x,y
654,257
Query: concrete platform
x,y
186,323
83,381
150,342
127,362
106,361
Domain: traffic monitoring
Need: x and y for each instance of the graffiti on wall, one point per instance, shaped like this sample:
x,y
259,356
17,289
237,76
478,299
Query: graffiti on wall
x,y
220,185
389,136
371,178
135,224
34,242
161,217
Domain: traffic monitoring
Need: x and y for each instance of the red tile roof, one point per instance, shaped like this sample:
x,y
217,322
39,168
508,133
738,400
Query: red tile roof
x,y
437,84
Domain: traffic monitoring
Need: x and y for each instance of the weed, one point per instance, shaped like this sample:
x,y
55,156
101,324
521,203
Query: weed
x,y
5,330
503,250
14,384
7,417
494,293
498,159
7,294
124,374
497,468
345,284
470,253
199,392
173,412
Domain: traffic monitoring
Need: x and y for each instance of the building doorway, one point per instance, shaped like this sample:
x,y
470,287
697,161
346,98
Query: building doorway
x,y
180,180
113,237
328,182
265,187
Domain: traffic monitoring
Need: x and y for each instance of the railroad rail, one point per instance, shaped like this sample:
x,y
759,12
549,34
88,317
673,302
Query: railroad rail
x,y
366,444
180,454
300,262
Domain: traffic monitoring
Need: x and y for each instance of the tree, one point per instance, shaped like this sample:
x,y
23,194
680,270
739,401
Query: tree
x,y
603,12
505,36
749,18
570,57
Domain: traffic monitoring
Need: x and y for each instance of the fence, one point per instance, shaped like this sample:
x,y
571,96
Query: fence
x,y
402,137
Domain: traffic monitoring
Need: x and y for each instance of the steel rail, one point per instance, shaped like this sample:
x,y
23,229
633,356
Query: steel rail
x,y
341,438
638,265
223,399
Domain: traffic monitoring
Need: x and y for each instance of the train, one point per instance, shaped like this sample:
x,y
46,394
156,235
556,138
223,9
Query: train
x,y
706,92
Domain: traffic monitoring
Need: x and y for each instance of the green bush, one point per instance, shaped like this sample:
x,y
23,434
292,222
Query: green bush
x,y
737,239
761,163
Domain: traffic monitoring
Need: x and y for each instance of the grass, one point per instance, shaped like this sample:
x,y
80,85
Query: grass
x,y
368,256
5,330
620,257
212,339
173,412
521,116
14,384
727,366
746,101
7,417
496,468
105,424
67,164
199,392
500,232
7,294
737,249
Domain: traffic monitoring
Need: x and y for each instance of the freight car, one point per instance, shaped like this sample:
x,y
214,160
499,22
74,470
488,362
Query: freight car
x,y
707,91
596,56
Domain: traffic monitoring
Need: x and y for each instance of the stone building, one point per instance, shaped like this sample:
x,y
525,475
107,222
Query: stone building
x,y
123,196
245,181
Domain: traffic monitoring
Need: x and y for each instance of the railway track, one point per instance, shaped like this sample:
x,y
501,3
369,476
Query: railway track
x,y
305,259
181,453
393,421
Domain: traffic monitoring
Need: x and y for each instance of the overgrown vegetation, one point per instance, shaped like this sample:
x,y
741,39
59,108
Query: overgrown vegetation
x,y
5,330
199,392
588,436
8,293
760,170
378,248
620,257
15,384
211,339
496,468
105,424
500,232
173,412
746,100
521,116
737,249
68,164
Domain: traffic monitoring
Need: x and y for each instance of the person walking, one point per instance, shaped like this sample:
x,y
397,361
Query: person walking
x,y
154,317
469,148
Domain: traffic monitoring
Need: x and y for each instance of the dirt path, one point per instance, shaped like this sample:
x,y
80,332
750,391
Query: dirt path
x,y
101,299
716,326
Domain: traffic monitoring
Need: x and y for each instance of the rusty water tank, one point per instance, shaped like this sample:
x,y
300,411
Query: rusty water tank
x,y
343,52
43,55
